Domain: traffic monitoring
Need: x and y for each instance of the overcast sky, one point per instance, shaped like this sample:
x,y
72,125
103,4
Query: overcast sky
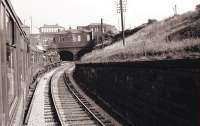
x,y
83,12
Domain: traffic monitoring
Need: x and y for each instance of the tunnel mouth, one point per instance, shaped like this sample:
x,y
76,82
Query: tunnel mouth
x,y
66,56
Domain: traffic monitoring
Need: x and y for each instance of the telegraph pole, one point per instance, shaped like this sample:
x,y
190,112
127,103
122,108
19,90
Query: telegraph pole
x,y
31,18
102,37
121,8
122,21
175,10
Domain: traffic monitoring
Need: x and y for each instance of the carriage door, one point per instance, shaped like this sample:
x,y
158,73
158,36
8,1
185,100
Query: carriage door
x,y
10,56
3,96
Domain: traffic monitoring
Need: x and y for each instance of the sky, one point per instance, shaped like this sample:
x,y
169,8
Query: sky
x,y
83,12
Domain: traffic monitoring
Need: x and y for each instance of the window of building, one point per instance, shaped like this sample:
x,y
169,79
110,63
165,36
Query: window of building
x,y
79,38
74,38
62,39
88,37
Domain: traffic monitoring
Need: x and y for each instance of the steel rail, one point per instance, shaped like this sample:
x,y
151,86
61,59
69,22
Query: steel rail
x,y
53,97
79,100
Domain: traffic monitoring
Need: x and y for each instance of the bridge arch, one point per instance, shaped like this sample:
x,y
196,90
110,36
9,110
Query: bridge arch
x,y
66,55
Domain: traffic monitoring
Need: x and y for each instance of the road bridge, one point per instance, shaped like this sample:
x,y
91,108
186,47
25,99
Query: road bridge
x,y
71,43
71,50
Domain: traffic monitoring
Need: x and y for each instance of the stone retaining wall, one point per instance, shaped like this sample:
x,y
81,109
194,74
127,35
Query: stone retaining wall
x,y
154,93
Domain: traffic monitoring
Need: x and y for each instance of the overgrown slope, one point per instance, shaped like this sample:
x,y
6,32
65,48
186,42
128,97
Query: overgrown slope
x,y
172,38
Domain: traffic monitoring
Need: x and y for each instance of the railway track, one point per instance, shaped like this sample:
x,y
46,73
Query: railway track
x,y
66,107
83,101
57,103
50,115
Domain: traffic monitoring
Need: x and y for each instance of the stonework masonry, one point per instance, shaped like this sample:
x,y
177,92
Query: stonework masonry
x,y
148,93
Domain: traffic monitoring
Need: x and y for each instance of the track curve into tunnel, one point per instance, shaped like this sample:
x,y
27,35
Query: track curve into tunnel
x,y
66,56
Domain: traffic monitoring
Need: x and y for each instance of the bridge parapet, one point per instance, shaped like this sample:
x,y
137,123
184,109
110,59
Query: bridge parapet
x,y
71,45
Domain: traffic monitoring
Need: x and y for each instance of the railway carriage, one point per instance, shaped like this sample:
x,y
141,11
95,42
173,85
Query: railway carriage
x,y
17,65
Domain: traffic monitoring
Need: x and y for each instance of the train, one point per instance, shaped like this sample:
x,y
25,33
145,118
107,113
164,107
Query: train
x,y
19,64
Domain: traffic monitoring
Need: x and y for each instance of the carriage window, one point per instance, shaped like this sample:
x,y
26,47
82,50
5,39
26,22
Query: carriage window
x,y
9,29
1,17
10,74
2,28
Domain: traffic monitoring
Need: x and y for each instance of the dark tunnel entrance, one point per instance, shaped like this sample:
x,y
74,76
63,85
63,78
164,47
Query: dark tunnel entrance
x,y
66,56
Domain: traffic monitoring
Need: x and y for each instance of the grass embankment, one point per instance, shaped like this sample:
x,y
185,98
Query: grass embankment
x,y
161,40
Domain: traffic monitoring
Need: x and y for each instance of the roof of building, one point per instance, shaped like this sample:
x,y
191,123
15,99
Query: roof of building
x,y
75,31
51,26
94,24
84,30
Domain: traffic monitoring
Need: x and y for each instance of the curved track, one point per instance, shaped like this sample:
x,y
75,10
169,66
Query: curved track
x,y
71,108
50,113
